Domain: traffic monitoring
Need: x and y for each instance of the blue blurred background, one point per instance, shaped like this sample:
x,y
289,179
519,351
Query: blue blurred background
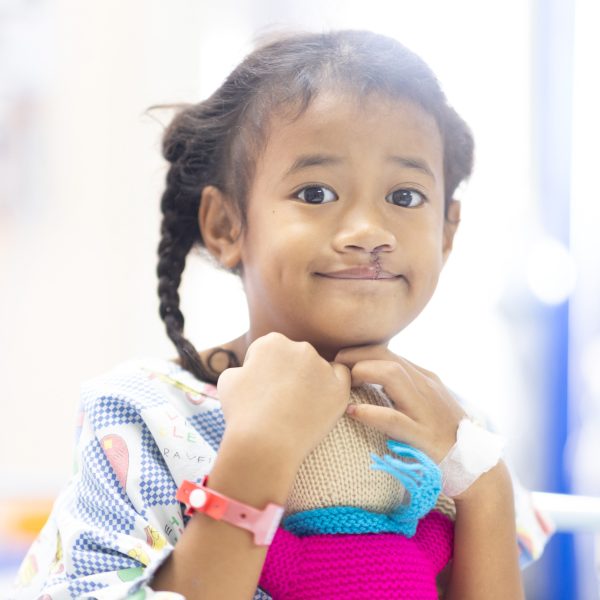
x,y
514,327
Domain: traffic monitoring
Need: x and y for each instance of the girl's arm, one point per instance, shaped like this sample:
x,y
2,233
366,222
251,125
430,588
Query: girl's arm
x,y
485,561
214,559
114,528
426,416
277,407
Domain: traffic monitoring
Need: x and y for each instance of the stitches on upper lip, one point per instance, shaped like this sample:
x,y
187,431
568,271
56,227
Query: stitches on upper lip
x,y
376,263
372,271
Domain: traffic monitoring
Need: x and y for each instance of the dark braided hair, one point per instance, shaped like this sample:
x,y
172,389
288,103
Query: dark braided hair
x,y
217,142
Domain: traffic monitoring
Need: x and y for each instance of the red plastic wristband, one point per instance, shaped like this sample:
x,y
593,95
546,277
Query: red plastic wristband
x,y
262,523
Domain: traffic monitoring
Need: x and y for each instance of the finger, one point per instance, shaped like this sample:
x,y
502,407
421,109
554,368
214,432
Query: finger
x,y
431,388
394,378
419,374
425,381
390,422
350,356
429,374
342,372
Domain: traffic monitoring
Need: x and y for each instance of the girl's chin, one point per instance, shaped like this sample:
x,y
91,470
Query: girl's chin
x,y
330,350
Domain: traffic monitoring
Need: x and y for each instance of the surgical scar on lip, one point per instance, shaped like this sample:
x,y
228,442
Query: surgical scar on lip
x,y
376,263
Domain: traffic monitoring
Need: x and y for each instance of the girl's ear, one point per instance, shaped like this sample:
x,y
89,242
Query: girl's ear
x,y
450,226
221,226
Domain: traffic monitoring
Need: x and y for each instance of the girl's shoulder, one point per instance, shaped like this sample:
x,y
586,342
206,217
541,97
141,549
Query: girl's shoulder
x,y
142,383
151,416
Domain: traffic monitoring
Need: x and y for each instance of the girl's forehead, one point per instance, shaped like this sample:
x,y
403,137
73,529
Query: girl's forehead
x,y
330,109
338,121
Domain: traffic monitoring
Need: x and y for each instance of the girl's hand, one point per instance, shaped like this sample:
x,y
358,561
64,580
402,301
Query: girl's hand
x,y
426,414
285,397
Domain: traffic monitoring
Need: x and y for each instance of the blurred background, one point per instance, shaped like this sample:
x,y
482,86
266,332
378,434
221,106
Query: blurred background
x,y
514,327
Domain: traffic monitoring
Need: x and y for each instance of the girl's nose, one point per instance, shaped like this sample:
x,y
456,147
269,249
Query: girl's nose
x,y
364,233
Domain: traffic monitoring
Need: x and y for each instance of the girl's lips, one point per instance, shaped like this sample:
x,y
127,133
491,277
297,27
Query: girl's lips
x,y
365,272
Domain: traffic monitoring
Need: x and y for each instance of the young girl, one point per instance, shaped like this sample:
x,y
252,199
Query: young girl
x,y
323,172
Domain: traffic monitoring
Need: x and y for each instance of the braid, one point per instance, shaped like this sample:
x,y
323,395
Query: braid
x,y
179,232
173,248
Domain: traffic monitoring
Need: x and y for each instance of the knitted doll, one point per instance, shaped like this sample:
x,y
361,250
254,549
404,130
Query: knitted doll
x,y
355,528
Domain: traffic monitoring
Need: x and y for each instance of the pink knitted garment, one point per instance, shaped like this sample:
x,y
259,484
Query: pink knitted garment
x,y
384,566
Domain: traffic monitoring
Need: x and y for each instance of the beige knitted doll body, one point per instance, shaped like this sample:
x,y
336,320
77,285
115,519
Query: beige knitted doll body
x,y
338,473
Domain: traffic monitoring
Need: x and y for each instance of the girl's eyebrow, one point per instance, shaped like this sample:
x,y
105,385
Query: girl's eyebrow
x,y
311,160
412,163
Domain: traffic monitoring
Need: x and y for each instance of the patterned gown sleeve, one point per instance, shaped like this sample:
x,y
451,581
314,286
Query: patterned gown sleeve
x,y
118,520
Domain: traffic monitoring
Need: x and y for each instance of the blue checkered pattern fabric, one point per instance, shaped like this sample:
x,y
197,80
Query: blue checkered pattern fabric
x,y
116,536
111,410
156,482
81,588
126,382
100,500
93,553
211,426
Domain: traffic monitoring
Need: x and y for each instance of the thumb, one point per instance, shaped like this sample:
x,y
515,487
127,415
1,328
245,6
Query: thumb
x,y
342,372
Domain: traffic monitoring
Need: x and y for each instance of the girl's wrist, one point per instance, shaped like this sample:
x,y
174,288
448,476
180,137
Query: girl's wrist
x,y
265,444
253,471
475,452
493,485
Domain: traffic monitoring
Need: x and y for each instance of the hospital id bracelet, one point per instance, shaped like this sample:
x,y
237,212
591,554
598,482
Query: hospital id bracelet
x,y
199,498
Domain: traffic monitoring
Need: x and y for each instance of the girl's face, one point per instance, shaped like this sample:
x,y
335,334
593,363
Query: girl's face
x,y
346,235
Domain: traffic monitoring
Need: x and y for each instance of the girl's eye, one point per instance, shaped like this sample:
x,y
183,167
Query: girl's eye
x,y
316,194
406,197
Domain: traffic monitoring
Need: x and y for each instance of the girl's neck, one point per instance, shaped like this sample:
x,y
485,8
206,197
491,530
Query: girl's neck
x,y
219,361
239,346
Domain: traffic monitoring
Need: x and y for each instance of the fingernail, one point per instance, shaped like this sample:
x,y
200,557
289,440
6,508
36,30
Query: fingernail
x,y
351,409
